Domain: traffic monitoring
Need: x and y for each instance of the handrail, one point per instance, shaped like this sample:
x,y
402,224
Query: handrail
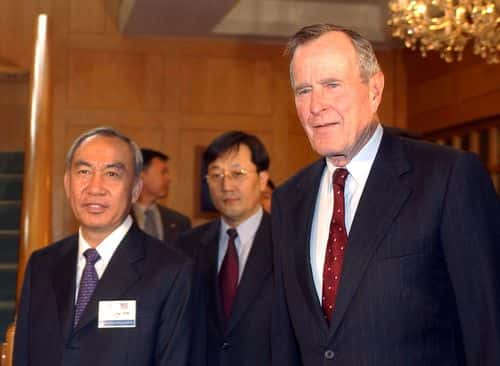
x,y
36,213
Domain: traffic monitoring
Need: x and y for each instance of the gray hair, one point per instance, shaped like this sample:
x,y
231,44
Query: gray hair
x,y
368,64
107,132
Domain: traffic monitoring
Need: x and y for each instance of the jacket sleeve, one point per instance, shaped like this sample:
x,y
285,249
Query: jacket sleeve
x,y
470,233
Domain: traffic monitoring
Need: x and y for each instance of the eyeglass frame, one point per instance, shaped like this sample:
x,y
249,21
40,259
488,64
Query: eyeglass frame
x,y
236,175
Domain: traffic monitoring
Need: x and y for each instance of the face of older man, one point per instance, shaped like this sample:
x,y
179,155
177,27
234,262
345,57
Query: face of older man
x,y
100,185
336,107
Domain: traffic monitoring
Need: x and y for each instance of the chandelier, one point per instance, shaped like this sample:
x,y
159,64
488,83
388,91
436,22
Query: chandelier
x,y
447,26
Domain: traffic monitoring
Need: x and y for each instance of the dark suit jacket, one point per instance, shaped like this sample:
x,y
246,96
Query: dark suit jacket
x,y
421,275
246,341
173,223
160,279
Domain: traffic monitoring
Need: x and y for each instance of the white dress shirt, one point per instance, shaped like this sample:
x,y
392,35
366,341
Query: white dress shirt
x,y
359,168
243,242
106,249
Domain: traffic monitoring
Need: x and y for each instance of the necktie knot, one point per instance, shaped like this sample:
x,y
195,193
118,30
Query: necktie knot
x,y
232,233
339,177
91,255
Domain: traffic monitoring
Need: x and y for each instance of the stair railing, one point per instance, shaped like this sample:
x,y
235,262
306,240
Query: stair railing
x,y
481,137
36,212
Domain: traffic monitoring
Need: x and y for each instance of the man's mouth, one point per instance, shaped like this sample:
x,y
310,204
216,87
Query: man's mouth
x,y
95,207
326,124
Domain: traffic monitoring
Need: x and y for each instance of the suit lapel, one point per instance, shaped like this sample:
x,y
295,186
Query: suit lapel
x,y
383,196
64,281
208,258
257,269
120,275
300,235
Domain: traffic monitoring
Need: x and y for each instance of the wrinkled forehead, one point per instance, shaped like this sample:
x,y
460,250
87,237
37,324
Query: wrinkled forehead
x,y
331,47
104,150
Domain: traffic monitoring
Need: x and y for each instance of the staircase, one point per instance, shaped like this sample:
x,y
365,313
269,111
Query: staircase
x,y
11,174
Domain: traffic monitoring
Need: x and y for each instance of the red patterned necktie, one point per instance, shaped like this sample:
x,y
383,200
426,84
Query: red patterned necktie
x,y
228,275
335,248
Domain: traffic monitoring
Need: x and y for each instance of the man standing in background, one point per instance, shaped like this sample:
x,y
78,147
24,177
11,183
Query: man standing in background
x,y
158,221
233,256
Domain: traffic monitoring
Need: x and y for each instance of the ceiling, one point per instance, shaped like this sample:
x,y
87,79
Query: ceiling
x,y
261,19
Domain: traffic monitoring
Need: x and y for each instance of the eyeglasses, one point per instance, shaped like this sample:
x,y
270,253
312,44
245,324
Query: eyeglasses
x,y
237,175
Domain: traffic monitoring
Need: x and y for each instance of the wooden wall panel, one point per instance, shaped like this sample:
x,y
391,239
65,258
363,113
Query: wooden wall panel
x,y
17,31
227,122
443,95
300,152
226,86
87,16
392,109
14,101
114,80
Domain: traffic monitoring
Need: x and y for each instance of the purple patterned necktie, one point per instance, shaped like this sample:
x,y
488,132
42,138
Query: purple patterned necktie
x,y
88,283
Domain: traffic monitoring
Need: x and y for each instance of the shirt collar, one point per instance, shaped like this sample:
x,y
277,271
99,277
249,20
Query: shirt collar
x,y
247,229
360,165
141,208
107,247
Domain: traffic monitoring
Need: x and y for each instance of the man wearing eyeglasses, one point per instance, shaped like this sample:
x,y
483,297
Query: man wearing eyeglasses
x,y
233,255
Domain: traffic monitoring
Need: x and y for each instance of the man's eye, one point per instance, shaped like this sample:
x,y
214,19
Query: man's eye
x,y
332,85
83,171
216,176
238,174
112,174
303,91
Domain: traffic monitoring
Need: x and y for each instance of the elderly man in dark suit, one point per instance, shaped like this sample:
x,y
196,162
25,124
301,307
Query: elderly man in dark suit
x,y
233,256
388,248
109,295
157,220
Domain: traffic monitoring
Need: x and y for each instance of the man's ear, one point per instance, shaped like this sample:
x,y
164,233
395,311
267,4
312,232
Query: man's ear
x,y
263,178
66,183
136,189
376,88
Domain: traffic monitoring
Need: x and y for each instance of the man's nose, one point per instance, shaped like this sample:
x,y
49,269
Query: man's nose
x,y
227,182
318,103
96,184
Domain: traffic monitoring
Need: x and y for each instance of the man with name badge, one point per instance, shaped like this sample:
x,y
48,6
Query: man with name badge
x,y
110,295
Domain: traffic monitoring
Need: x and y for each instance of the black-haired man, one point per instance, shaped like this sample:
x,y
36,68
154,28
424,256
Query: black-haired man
x,y
233,256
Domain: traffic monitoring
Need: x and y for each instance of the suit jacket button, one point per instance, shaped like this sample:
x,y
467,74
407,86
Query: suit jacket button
x,y
329,354
225,346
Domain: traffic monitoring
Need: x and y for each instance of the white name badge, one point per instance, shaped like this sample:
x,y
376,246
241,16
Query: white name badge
x,y
116,314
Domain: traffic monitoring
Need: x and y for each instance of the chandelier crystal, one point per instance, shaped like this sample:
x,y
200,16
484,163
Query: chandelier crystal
x,y
447,26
